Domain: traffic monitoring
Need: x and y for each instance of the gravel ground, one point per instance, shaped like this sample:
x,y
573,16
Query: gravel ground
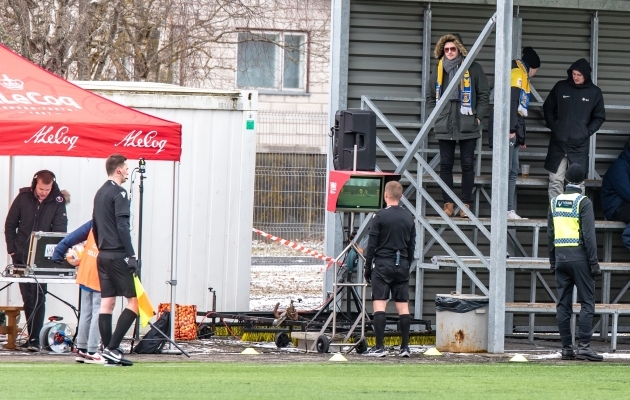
x,y
226,350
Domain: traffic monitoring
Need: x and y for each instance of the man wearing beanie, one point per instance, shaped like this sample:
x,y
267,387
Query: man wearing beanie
x,y
460,120
522,71
574,110
573,257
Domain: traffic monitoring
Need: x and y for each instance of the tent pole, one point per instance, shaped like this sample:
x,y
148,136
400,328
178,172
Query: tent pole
x,y
174,226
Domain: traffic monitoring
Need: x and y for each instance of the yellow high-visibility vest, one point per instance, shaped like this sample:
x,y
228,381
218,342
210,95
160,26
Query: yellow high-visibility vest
x,y
565,210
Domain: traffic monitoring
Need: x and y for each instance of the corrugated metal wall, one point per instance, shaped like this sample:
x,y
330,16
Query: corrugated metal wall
x,y
386,59
215,208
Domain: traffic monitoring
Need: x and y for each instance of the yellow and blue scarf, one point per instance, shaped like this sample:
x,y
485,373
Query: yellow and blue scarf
x,y
520,78
465,93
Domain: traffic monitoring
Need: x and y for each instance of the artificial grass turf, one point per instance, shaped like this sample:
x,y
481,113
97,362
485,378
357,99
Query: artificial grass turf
x,y
315,380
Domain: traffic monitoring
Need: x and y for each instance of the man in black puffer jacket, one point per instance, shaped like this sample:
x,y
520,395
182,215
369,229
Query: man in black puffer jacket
x,y
574,110
40,207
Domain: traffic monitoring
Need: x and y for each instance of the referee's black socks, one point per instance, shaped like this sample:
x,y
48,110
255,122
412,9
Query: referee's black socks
x,y
105,327
380,320
126,319
405,323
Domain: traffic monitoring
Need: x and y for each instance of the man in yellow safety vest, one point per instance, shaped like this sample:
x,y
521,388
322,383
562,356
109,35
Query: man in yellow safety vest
x,y
573,257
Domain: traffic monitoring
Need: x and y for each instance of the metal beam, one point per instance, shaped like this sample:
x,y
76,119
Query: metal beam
x,y
594,65
428,124
603,5
498,241
339,45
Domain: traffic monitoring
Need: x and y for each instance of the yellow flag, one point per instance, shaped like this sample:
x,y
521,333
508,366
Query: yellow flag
x,y
145,308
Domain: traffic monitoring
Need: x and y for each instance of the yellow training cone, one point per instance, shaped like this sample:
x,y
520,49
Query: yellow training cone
x,y
518,358
338,357
249,351
432,352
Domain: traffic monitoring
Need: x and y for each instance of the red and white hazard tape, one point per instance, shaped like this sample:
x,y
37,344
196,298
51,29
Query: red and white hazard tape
x,y
298,247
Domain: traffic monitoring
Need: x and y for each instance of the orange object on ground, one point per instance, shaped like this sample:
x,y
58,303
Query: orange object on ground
x,y
185,320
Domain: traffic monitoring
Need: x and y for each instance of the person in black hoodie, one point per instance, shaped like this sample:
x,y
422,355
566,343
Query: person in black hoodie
x,y
574,110
40,207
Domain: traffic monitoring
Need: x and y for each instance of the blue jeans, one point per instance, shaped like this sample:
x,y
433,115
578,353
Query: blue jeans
x,y
513,172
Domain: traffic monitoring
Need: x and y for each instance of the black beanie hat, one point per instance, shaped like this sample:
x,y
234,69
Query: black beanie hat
x,y
531,57
575,174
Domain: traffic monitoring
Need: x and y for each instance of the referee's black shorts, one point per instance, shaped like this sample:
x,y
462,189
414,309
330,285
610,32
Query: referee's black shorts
x,y
388,278
116,279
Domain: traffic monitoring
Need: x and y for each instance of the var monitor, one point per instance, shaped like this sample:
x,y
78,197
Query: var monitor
x,y
357,191
361,194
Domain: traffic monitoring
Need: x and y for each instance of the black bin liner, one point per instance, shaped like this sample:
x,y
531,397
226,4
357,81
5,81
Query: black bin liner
x,y
458,305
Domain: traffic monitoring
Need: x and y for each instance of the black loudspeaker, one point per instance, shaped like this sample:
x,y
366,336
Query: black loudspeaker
x,y
354,126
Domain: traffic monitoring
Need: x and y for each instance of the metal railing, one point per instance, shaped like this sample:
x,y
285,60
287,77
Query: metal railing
x,y
290,180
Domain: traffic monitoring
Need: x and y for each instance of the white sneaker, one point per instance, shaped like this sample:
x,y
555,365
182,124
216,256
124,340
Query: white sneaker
x,y
513,215
94,359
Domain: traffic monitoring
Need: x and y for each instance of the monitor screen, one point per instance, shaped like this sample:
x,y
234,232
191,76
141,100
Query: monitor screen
x,y
361,194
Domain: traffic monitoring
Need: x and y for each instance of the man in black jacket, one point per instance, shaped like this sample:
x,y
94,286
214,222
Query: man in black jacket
x,y
573,258
574,110
40,207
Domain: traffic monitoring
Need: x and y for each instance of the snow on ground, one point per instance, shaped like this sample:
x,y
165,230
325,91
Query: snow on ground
x,y
271,284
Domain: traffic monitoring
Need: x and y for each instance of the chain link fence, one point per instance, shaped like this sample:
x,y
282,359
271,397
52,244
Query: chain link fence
x,y
290,182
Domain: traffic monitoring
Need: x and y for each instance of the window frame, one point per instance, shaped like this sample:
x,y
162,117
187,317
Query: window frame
x,y
280,62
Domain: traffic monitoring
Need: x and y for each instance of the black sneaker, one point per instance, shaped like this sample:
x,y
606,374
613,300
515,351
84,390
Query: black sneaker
x,y
568,353
115,357
404,352
376,352
23,346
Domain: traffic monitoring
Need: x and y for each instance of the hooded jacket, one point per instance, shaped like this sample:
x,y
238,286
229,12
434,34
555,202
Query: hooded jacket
x,y
28,215
573,113
451,124
616,183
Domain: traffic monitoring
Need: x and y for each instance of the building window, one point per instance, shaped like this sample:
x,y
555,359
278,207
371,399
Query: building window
x,y
275,61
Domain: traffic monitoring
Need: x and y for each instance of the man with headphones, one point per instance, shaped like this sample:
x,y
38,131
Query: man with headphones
x,y
40,207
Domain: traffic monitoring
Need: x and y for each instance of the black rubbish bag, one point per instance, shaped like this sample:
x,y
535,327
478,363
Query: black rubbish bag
x,y
458,305
153,341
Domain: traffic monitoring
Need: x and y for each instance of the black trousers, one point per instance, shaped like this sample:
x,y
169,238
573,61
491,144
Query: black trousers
x,y
34,298
568,274
467,158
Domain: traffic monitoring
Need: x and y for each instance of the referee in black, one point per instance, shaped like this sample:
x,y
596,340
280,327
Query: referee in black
x,y
391,244
116,258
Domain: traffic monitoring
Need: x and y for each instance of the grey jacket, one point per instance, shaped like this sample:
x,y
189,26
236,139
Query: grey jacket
x,y
451,124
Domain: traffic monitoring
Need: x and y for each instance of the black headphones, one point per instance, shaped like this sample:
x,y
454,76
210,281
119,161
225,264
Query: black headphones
x,y
34,182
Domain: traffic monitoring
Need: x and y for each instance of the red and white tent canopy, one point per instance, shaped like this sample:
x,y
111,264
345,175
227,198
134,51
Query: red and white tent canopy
x,y
43,114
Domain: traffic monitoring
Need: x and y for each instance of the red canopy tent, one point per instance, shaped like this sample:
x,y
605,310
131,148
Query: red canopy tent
x,y
43,114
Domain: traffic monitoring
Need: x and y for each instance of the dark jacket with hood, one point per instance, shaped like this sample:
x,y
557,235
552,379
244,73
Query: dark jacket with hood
x,y
517,122
451,124
573,113
616,183
28,215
